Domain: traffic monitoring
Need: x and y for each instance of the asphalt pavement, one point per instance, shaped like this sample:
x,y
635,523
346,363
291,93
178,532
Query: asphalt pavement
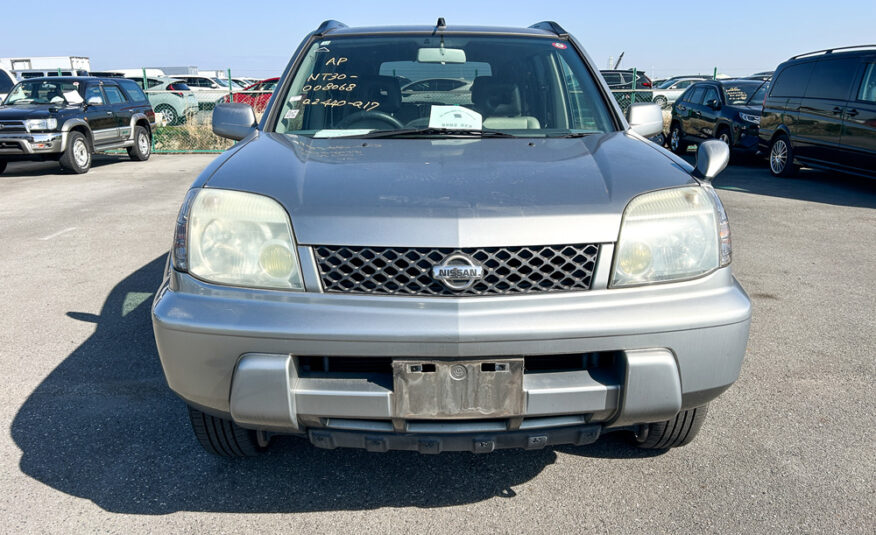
x,y
94,441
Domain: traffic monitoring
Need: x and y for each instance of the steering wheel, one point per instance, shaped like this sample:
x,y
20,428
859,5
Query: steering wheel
x,y
420,122
366,119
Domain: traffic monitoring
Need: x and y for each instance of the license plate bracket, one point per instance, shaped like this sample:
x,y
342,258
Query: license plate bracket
x,y
484,388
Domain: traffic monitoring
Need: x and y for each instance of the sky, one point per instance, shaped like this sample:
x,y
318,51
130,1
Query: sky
x,y
257,38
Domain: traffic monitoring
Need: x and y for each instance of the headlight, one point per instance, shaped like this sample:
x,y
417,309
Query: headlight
x,y
671,235
747,117
236,238
41,124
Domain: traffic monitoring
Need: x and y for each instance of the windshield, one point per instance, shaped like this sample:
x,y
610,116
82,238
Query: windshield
x,y
523,86
758,96
666,83
45,92
740,93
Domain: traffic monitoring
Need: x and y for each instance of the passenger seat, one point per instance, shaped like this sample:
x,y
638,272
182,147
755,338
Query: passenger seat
x,y
498,101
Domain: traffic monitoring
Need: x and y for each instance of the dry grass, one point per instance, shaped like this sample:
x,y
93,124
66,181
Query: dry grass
x,y
196,135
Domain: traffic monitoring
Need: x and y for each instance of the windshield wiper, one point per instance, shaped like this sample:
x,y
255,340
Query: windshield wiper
x,y
575,134
434,131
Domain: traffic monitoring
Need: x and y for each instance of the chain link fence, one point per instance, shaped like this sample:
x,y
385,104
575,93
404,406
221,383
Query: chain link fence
x,y
184,118
626,97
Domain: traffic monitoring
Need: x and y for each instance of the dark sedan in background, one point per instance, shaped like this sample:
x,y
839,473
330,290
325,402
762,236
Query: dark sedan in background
x,y
728,110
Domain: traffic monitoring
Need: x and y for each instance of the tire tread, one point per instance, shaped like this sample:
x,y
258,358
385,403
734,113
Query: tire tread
x,y
223,437
676,432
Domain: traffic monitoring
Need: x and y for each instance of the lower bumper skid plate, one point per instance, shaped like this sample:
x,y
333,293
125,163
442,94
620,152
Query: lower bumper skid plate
x,y
476,443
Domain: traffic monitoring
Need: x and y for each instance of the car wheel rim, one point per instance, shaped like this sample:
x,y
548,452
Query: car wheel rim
x,y
778,156
725,138
80,153
169,116
143,142
673,140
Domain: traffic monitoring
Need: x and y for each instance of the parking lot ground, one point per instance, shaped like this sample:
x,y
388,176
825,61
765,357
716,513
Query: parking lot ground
x,y
95,441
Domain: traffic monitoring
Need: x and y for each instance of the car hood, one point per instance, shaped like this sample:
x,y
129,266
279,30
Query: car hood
x,y
26,111
450,192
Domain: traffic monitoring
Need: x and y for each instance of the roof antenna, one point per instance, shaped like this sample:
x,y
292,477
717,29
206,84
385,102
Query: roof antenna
x,y
440,26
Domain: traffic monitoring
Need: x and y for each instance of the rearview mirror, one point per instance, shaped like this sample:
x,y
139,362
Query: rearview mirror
x,y
645,119
441,55
712,157
233,121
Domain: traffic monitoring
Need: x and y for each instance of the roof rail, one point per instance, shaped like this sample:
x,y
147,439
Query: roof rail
x,y
550,26
832,50
328,26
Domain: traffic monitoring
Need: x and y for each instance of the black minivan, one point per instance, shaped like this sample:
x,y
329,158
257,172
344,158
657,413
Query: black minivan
x,y
821,112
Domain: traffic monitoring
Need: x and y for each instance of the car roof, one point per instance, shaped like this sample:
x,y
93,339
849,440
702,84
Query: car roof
x,y
424,29
845,51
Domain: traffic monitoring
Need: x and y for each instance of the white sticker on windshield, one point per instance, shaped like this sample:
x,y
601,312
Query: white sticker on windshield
x,y
291,114
455,117
294,98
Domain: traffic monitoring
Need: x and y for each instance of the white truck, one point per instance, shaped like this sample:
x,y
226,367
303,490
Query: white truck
x,y
32,67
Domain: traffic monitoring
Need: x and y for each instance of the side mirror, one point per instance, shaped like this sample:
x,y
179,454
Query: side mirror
x,y
95,101
645,119
233,121
712,158
714,104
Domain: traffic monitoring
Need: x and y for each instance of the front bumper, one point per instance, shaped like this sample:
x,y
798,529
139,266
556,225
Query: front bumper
x,y
745,137
235,352
30,144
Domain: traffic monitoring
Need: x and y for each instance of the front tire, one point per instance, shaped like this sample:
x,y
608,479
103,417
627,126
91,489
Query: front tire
x,y
77,157
661,100
674,433
225,438
142,145
2,166
676,140
725,137
782,158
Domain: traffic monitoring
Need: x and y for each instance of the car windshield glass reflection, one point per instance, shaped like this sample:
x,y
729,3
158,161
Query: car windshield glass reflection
x,y
528,87
739,93
45,92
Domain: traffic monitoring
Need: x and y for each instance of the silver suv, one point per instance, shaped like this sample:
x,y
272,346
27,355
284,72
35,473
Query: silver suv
x,y
515,267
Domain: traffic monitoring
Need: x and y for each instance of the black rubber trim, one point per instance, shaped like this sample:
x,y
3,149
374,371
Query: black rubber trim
x,y
437,443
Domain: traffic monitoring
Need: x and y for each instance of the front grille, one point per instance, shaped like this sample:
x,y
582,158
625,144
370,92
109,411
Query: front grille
x,y
9,127
408,271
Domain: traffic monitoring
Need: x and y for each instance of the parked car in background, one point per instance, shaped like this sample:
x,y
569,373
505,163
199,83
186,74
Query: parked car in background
x,y
765,75
728,110
207,90
821,112
620,79
68,118
7,80
437,90
257,95
244,82
521,272
171,98
668,91
655,83
26,74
